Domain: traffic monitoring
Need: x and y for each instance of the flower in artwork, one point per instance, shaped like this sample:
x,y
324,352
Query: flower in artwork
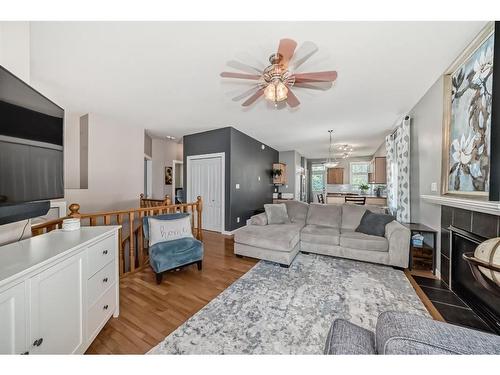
x,y
475,170
483,66
462,150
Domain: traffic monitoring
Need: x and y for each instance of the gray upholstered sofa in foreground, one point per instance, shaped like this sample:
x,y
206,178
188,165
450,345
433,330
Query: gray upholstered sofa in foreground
x,y
403,333
326,229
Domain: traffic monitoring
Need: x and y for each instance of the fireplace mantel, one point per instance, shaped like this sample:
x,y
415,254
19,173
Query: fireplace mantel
x,y
487,207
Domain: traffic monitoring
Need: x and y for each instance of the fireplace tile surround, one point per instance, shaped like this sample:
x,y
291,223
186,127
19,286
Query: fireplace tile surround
x,y
454,223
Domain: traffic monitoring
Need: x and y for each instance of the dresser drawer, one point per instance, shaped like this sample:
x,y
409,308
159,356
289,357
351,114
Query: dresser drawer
x,y
100,282
101,254
101,311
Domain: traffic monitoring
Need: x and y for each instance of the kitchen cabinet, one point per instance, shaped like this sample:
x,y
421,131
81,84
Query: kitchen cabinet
x,y
335,176
378,172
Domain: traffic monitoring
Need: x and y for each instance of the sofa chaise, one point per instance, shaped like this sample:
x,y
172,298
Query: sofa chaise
x,y
326,229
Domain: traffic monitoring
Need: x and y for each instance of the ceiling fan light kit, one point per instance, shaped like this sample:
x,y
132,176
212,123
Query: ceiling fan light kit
x,y
275,82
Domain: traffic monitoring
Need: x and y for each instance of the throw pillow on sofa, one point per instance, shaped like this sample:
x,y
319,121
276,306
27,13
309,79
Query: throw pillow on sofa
x,y
168,230
276,213
374,224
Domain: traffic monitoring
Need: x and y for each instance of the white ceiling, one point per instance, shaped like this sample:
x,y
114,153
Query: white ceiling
x,y
164,76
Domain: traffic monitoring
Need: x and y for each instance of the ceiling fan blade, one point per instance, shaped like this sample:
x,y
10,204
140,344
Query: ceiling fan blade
x,y
243,67
240,75
286,49
253,98
245,56
314,85
246,93
328,76
304,52
291,99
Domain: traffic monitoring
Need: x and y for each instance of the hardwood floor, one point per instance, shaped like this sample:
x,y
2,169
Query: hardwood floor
x,y
150,312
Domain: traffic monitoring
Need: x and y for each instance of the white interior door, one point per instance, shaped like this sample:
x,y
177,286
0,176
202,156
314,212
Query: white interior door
x,y
206,180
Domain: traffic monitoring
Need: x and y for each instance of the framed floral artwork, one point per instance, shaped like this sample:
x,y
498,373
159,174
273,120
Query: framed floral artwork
x,y
467,121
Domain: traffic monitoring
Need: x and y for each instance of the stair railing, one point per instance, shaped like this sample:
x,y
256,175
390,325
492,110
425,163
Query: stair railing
x,y
133,247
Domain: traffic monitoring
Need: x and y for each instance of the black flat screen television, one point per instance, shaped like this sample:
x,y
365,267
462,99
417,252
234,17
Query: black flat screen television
x,y
31,146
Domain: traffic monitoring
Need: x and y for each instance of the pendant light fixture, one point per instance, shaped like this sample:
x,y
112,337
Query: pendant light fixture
x,y
331,162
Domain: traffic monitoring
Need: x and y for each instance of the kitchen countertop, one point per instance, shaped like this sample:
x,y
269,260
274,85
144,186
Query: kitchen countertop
x,y
342,194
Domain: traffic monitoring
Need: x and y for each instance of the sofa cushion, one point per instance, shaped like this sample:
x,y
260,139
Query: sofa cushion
x,y
276,213
297,211
403,333
327,215
259,219
361,241
318,234
347,338
280,237
352,214
165,256
374,224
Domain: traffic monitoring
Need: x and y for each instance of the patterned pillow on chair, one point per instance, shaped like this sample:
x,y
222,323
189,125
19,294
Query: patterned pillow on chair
x,y
169,230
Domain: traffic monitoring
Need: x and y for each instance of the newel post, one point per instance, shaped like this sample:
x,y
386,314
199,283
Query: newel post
x,y
74,210
199,208
167,200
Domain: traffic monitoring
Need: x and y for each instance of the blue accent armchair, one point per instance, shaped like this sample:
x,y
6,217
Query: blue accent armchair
x,y
169,255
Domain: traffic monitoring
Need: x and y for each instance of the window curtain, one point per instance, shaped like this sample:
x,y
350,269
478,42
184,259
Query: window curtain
x,y
398,171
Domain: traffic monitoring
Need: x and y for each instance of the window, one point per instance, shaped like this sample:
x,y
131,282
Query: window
x,y
359,173
317,177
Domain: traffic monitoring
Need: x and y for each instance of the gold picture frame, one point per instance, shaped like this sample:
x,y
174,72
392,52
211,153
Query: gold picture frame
x,y
466,55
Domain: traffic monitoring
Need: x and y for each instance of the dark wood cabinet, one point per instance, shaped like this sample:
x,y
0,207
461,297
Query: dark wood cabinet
x,y
335,176
378,172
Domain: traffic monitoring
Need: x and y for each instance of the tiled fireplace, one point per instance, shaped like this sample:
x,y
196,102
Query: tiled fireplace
x,y
461,231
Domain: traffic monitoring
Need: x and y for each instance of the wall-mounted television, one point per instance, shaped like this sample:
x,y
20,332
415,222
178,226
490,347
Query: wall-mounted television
x,y
31,149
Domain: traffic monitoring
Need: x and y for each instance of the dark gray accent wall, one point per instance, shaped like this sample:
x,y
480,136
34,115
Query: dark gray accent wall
x,y
245,163
249,162
495,123
210,142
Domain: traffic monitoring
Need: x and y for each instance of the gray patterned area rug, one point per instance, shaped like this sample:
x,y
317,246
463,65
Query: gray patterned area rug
x,y
275,310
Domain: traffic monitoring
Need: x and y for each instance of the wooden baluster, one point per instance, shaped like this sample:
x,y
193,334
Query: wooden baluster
x,y
93,221
121,261
107,219
199,208
192,220
131,241
140,240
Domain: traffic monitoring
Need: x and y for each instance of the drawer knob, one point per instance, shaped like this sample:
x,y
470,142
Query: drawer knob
x,y
104,252
105,307
38,342
105,280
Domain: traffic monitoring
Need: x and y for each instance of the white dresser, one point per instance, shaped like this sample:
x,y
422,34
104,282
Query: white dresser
x,y
58,290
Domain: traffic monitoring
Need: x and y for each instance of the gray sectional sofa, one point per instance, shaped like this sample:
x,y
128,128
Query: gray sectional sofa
x,y
326,229
404,333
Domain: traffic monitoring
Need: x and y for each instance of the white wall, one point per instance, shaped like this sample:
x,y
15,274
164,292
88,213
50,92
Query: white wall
x,y
15,57
425,154
164,151
381,150
116,164
15,48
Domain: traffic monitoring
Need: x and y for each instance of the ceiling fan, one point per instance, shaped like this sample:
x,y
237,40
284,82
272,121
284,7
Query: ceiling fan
x,y
275,81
